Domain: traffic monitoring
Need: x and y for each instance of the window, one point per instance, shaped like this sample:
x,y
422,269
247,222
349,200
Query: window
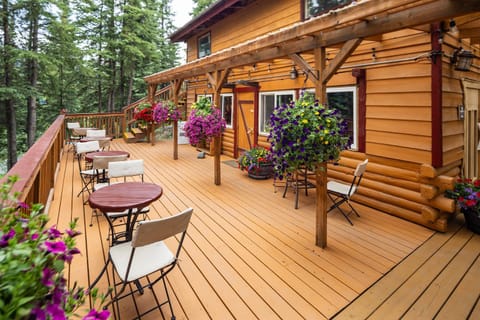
x,y
268,101
344,99
316,7
227,108
204,45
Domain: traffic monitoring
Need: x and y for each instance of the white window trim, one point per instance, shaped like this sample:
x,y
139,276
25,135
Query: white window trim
x,y
231,116
260,107
206,96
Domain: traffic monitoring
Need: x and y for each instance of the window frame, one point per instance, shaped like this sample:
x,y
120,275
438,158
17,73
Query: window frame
x,y
200,54
222,96
261,108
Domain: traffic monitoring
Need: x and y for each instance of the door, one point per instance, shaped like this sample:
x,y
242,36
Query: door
x,y
471,91
245,120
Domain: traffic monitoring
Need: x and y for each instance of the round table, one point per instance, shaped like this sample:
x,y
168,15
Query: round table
x,y
125,196
89,156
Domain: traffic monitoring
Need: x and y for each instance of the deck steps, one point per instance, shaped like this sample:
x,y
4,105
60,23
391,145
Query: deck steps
x,y
134,135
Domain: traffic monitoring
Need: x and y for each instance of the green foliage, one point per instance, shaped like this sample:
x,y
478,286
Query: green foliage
x,y
32,263
200,5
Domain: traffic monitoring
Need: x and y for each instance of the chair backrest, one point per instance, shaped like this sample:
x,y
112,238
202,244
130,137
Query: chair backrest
x,y
151,231
73,125
101,162
96,133
361,167
85,147
128,168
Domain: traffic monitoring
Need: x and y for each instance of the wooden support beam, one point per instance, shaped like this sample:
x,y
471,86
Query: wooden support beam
x,y
339,59
176,85
360,21
305,66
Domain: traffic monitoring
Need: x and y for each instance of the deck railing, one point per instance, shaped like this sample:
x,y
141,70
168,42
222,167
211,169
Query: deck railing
x,y
38,167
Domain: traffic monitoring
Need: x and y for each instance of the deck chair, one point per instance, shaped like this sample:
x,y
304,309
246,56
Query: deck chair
x,y
341,193
143,257
299,180
87,174
72,139
96,133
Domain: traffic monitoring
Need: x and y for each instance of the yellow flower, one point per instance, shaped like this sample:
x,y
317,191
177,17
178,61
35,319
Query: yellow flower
x,y
305,121
325,142
317,113
326,131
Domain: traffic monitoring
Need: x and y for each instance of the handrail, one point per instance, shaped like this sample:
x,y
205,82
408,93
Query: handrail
x,y
37,168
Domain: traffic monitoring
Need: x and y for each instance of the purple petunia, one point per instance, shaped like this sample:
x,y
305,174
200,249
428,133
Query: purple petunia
x,y
96,315
55,247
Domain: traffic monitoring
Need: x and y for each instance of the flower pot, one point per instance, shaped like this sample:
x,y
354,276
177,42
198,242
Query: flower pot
x,y
472,220
264,171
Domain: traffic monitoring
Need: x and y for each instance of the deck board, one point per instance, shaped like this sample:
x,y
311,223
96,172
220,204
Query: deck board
x,y
248,253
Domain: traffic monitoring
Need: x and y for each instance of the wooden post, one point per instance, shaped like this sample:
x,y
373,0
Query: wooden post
x,y
321,169
321,221
217,141
175,140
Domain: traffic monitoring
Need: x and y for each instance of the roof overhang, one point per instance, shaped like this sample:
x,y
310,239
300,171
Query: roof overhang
x,y
365,19
215,12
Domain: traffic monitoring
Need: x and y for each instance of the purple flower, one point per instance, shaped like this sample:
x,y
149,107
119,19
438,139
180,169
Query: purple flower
x,y
47,277
53,233
95,315
55,247
56,312
72,233
6,237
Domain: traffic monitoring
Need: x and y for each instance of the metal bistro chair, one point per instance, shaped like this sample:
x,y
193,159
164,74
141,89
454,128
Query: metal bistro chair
x,y
100,166
341,193
87,173
299,180
119,171
145,255
72,138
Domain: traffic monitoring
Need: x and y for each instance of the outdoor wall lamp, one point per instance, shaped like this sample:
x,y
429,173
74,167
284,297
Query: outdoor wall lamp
x,y
293,73
462,59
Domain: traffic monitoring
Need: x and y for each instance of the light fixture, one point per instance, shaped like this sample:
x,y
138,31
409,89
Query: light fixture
x,y
453,28
293,73
462,59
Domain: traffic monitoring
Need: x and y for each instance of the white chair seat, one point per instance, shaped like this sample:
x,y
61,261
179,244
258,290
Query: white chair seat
x,y
340,188
147,259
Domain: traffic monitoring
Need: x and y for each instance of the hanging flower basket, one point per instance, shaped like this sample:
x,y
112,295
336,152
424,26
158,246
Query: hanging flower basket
x,y
166,111
204,123
305,133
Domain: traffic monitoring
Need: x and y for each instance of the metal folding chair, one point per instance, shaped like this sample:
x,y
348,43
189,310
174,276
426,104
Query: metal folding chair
x,y
143,257
341,193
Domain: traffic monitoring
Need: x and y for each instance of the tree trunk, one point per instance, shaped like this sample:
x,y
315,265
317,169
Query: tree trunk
x,y
33,76
8,73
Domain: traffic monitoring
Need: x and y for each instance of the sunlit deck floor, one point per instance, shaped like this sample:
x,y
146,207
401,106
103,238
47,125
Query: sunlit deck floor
x,y
248,253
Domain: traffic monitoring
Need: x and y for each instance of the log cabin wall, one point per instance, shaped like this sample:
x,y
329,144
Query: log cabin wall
x,y
401,178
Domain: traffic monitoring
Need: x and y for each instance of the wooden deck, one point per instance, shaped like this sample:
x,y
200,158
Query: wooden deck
x,y
250,255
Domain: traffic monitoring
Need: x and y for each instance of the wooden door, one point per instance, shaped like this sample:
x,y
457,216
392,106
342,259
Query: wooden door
x,y
245,124
471,90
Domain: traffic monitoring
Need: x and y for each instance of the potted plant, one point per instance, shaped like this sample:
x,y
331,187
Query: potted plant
x,y
165,111
257,162
466,193
33,258
305,133
204,123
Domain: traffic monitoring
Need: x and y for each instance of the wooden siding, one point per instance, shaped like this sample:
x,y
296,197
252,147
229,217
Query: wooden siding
x,y
257,19
248,254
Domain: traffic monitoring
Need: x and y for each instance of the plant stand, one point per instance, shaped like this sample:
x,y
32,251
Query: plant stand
x,y
472,220
264,171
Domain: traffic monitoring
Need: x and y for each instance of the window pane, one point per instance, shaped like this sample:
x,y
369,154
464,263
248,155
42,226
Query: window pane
x,y
227,106
317,7
204,46
343,101
284,99
268,103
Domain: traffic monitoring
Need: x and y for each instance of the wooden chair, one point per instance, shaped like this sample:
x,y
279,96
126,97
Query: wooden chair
x,y
146,257
341,193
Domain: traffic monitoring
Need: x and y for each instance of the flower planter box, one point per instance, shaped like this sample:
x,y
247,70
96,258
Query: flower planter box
x,y
472,220
264,171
